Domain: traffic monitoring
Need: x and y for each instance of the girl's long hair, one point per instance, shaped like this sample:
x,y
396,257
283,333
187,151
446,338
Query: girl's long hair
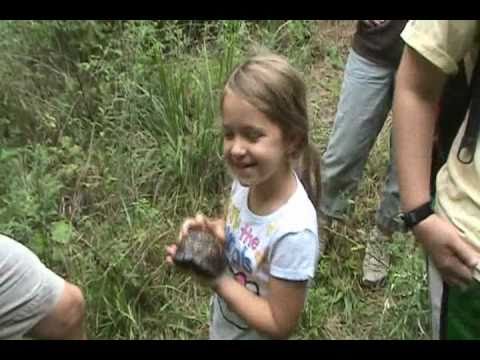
x,y
269,83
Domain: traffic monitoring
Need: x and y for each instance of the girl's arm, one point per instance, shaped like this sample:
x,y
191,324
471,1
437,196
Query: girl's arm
x,y
275,315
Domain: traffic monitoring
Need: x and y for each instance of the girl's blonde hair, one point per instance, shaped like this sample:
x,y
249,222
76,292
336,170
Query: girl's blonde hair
x,y
269,83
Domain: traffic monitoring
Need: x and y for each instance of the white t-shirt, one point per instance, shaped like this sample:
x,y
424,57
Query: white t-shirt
x,y
283,244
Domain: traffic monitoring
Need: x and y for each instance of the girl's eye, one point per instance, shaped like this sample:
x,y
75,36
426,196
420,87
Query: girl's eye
x,y
253,135
228,134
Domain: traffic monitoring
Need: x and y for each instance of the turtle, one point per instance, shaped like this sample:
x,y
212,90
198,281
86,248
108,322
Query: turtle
x,y
201,253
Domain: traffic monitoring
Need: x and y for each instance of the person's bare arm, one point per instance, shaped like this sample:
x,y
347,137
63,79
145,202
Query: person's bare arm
x,y
276,315
419,85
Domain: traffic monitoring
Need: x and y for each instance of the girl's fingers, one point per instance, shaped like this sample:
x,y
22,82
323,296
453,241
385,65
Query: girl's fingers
x,y
187,225
216,229
200,217
171,251
199,222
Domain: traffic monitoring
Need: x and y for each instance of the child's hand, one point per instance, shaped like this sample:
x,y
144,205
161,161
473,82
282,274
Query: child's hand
x,y
202,223
200,265
171,250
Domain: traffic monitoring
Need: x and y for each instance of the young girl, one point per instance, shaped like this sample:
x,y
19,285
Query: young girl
x,y
270,234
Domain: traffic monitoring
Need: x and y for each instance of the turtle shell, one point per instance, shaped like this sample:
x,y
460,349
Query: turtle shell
x,y
201,253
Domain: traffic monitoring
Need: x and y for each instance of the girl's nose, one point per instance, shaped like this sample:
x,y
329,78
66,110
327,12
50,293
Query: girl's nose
x,y
237,147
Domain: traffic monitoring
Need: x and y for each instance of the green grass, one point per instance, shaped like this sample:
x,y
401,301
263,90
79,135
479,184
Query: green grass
x,y
109,138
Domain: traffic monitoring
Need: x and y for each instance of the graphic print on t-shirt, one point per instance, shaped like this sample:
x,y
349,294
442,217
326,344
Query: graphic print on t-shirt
x,y
244,253
243,249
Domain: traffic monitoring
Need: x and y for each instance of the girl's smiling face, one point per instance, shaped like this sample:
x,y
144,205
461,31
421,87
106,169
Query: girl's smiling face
x,y
254,147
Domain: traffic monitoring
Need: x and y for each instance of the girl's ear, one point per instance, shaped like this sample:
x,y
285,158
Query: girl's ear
x,y
294,145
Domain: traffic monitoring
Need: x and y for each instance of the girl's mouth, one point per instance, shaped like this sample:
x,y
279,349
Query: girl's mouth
x,y
243,166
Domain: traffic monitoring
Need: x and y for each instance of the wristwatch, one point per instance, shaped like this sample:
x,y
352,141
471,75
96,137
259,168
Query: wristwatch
x,y
413,217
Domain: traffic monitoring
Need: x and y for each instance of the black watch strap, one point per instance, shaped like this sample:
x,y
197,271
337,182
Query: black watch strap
x,y
413,217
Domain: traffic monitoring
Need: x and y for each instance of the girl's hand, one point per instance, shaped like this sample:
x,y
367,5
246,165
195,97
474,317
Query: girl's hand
x,y
171,250
198,223
202,223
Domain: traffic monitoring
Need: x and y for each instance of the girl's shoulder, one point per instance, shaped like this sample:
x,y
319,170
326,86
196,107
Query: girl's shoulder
x,y
297,217
300,210
298,214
